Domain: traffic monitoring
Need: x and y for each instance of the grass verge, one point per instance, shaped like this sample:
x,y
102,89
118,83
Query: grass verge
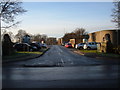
x,y
88,51
18,56
94,53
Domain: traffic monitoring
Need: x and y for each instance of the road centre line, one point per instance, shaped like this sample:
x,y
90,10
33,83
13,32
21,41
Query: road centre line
x,y
62,61
70,61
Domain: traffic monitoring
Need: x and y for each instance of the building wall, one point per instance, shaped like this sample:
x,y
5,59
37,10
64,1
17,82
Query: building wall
x,y
100,34
51,41
72,41
59,41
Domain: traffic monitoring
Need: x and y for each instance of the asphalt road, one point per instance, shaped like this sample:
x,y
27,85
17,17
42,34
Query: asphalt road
x,y
59,67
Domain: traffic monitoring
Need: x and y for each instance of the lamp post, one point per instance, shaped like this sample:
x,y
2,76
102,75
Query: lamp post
x,y
117,39
0,40
0,53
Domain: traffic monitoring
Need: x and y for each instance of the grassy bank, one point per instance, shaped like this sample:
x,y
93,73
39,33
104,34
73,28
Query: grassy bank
x,y
94,53
29,53
21,56
17,56
89,51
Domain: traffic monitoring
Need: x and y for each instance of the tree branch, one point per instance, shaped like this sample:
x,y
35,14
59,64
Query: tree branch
x,y
6,27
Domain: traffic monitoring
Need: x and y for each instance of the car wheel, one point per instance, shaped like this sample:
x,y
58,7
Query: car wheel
x,y
88,48
80,47
31,50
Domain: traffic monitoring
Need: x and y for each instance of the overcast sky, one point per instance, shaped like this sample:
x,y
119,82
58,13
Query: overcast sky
x,y
57,18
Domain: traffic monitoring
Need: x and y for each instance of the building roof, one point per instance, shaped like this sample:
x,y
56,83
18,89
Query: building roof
x,y
105,30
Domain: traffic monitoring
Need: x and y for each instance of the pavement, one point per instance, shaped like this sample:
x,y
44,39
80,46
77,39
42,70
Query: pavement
x,y
61,68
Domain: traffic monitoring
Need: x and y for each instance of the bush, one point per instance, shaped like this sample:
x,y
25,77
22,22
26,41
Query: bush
x,y
117,49
7,45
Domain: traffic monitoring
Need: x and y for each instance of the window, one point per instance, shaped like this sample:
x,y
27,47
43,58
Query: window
x,y
93,43
89,43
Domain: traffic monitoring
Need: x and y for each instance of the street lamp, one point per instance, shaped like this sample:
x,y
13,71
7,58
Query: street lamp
x,y
0,52
117,38
0,40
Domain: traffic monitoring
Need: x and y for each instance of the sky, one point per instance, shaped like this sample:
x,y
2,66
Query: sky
x,y
57,18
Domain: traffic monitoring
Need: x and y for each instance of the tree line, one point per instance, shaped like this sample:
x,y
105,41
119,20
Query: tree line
x,y
78,34
21,33
8,40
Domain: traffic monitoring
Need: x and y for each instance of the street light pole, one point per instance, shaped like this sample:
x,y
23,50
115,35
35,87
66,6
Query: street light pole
x,y
117,39
0,53
0,40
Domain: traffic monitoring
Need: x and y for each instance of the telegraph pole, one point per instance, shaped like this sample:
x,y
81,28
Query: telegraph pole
x,y
64,31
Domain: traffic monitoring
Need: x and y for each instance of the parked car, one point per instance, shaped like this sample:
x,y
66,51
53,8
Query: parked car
x,y
90,45
63,44
24,47
43,45
79,46
35,45
68,45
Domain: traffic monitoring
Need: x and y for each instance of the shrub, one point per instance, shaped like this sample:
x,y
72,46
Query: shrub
x,y
7,45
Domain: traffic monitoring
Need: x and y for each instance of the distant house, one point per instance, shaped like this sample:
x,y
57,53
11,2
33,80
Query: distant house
x,y
72,41
60,41
51,41
26,39
100,36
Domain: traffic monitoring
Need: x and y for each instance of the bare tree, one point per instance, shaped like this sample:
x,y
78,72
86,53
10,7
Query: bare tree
x,y
69,36
20,35
44,37
116,13
116,19
80,32
8,10
37,37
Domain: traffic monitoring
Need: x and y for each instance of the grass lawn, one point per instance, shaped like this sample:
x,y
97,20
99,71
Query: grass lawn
x,y
89,51
29,53
24,55
95,53
21,56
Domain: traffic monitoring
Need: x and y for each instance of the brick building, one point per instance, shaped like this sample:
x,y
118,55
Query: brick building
x,y
60,41
100,36
51,41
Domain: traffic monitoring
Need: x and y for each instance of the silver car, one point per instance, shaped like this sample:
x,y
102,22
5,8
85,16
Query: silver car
x,y
90,45
79,46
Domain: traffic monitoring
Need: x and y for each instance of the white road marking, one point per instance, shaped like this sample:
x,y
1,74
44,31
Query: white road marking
x,y
59,53
70,61
62,61
58,64
59,49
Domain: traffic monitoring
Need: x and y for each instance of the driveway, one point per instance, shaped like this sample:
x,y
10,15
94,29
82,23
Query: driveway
x,y
61,68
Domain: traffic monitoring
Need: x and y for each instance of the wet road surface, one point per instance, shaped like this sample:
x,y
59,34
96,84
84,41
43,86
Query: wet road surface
x,y
61,68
